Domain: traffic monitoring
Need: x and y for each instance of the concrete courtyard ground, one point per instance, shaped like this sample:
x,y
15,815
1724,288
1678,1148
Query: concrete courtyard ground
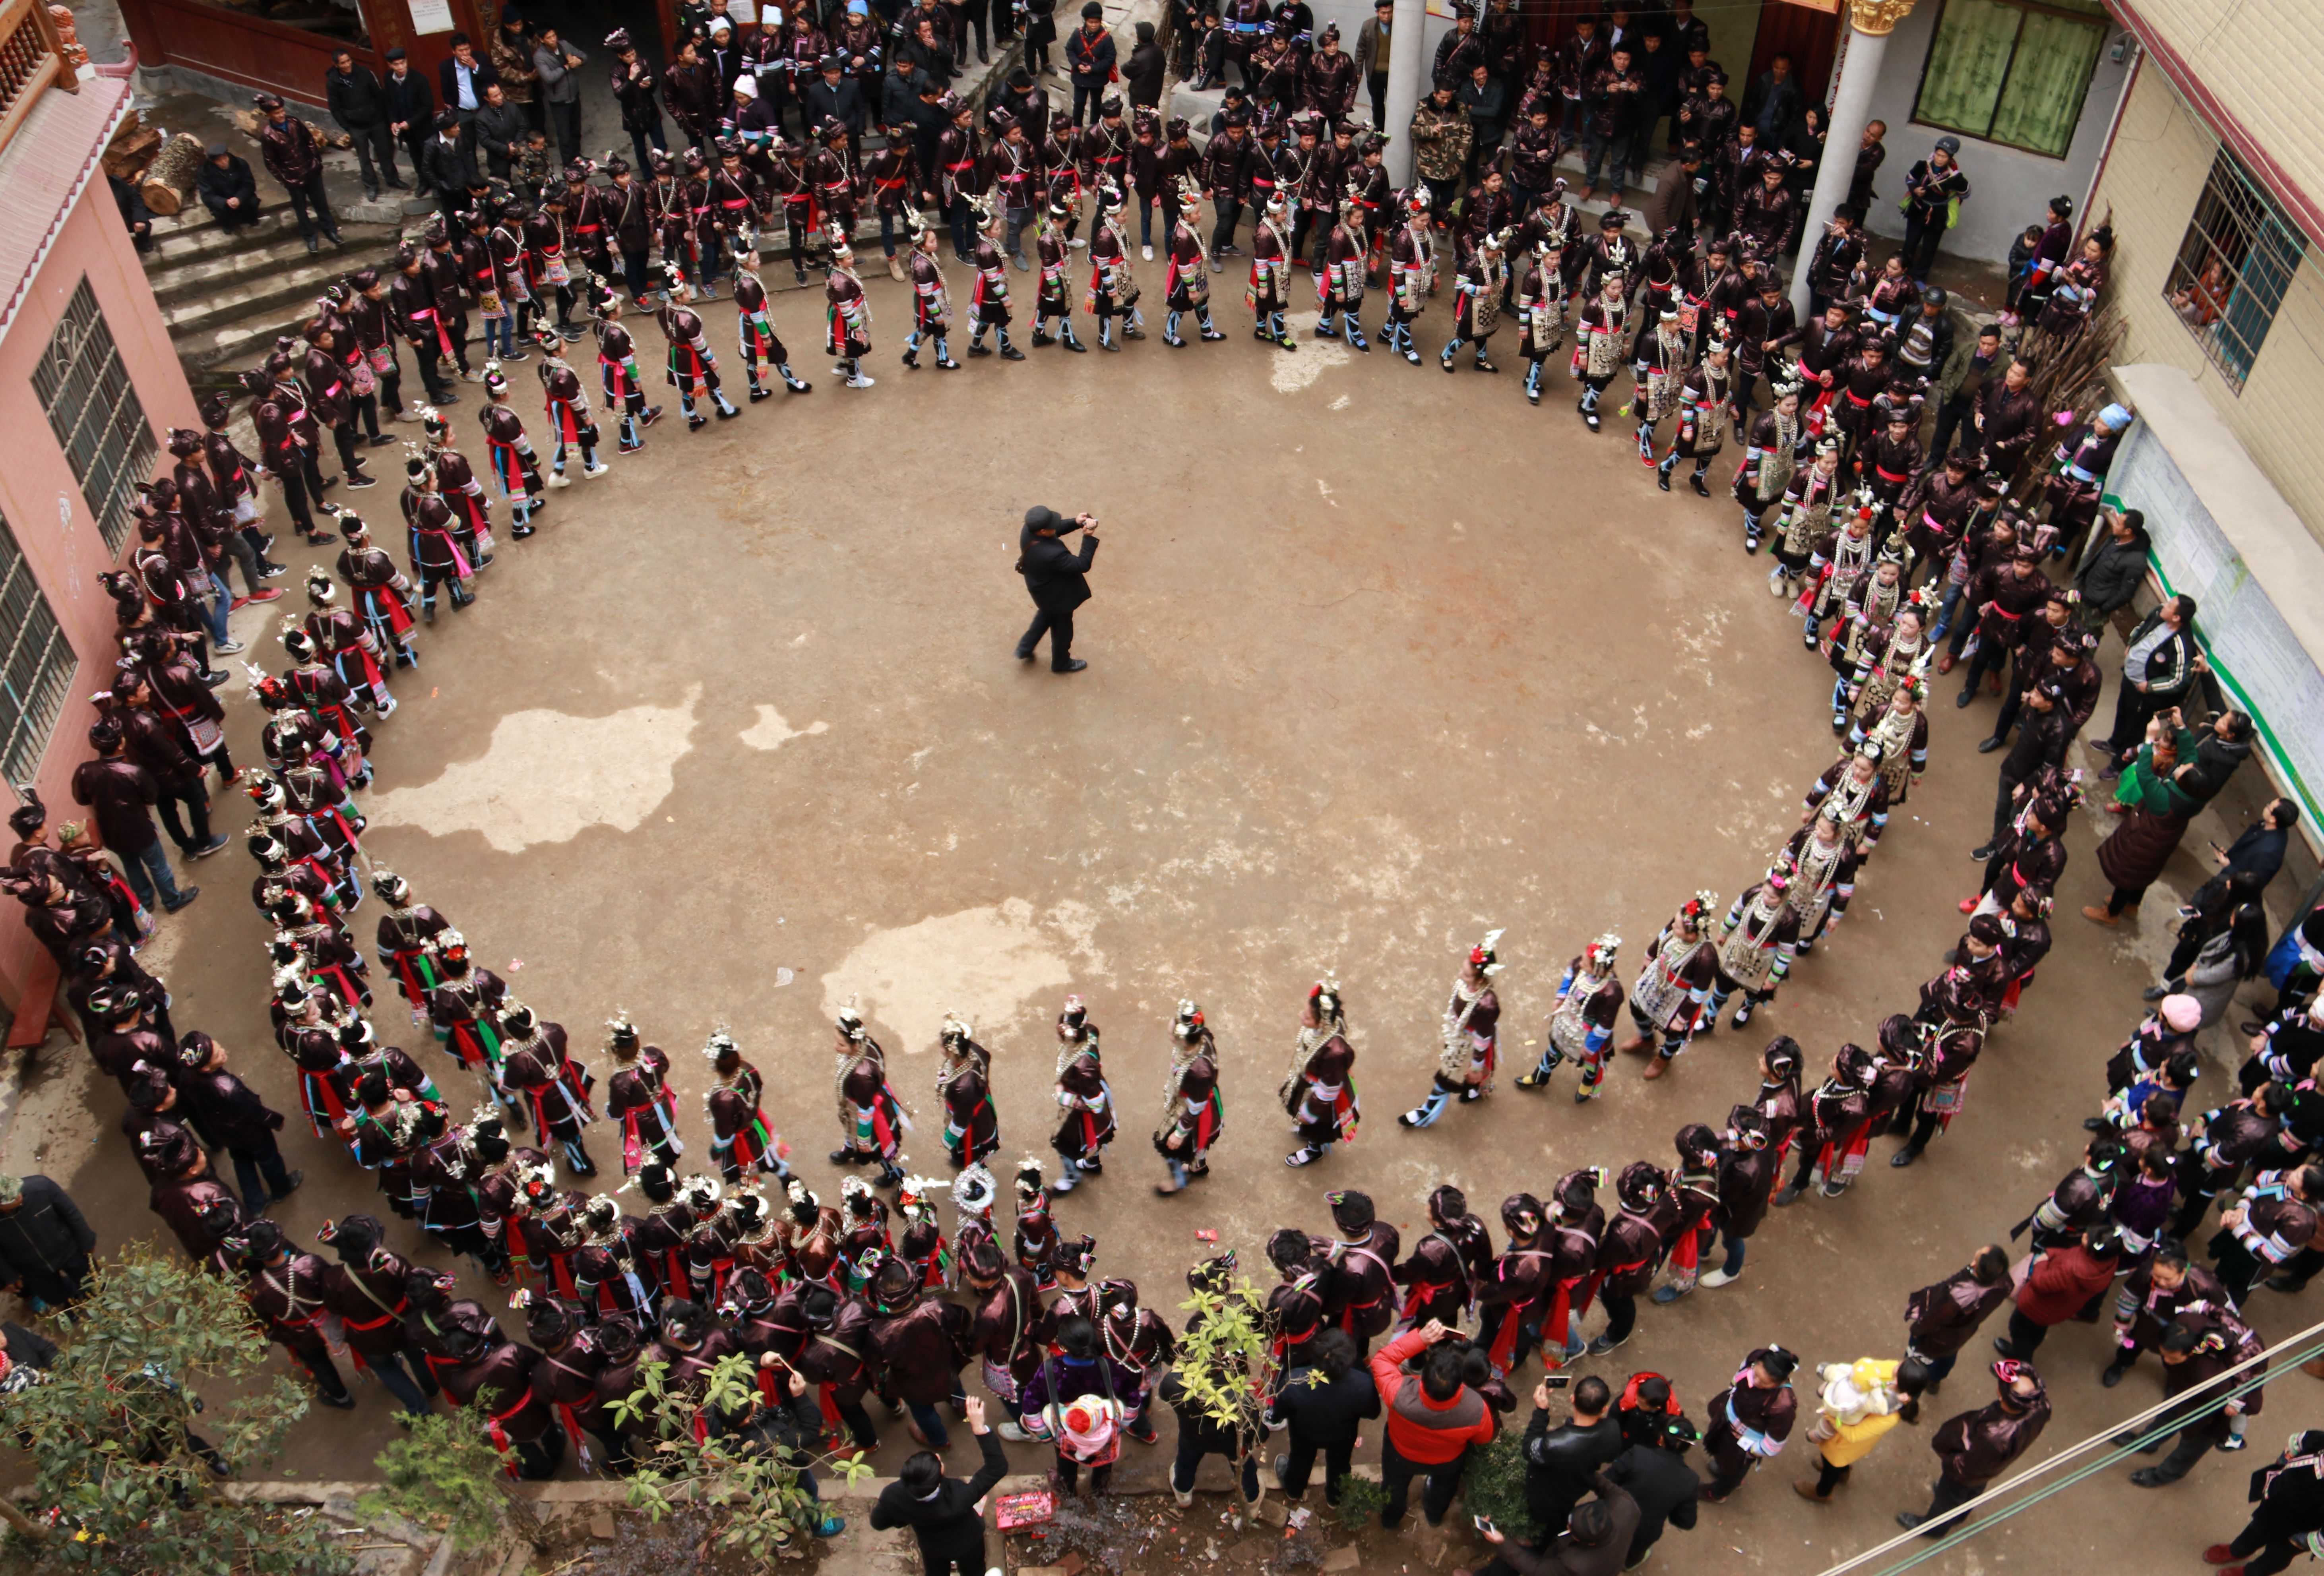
x,y
1379,659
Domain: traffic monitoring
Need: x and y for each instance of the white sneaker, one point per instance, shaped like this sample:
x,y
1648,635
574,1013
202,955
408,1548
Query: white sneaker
x,y
1013,1433
1776,582
596,470
861,381
1184,1499
1147,251
227,647
1077,243
558,479
1716,1278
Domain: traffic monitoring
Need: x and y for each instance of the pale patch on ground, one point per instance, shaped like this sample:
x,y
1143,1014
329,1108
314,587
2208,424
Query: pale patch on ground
x,y
770,730
1294,370
546,775
987,964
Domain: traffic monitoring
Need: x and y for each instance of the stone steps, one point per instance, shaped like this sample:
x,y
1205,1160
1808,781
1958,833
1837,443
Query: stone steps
x,y
227,307
243,264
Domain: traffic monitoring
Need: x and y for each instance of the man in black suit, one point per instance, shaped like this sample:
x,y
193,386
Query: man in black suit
x,y
945,1515
447,161
410,110
1056,579
463,79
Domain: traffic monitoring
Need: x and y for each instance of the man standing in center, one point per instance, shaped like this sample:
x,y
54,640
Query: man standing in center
x,y
1056,579
1433,1418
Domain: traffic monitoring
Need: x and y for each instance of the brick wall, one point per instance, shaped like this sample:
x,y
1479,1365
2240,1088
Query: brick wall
x,y
2163,153
2256,55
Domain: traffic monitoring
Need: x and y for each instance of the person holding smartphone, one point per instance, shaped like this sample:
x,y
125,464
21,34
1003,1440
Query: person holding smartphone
x,y
1562,1464
1058,580
946,1515
1595,1543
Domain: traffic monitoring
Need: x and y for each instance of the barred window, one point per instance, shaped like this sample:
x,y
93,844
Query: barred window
x,y
94,414
2234,268
36,665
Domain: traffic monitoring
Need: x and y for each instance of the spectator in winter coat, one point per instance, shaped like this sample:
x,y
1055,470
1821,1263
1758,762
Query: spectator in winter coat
x,y
558,62
227,188
1486,100
1325,1404
44,1243
1433,1419
410,112
123,794
461,78
2065,1282
498,132
135,214
1673,205
1145,71
942,1512
2257,854
2160,666
1654,1473
357,101
1089,61
1773,102
2110,576
449,163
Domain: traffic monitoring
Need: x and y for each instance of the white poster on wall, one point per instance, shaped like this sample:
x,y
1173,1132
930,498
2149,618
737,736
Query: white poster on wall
x,y
431,15
2259,662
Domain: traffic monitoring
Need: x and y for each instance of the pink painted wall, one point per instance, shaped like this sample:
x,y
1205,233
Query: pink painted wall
x,y
35,474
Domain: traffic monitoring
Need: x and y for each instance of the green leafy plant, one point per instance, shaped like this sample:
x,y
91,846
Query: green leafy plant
x,y
1226,1360
752,1479
1361,1500
444,1473
126,1458
1493,1485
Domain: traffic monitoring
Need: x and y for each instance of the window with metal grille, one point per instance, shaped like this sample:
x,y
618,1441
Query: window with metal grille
x,y
36,665
2233,268
94,414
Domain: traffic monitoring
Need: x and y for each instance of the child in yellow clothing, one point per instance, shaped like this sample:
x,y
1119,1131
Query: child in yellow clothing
x,y
1859,1402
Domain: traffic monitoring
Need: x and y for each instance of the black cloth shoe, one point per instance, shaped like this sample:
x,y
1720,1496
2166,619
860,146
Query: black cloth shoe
x,y
1073,666
1988,746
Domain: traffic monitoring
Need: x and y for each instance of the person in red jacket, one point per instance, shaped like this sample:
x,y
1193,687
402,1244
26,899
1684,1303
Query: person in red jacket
x,y
1433,1418
2064,1283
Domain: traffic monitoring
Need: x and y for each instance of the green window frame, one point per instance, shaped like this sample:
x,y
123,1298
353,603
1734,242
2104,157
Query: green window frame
x,y
2014,72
